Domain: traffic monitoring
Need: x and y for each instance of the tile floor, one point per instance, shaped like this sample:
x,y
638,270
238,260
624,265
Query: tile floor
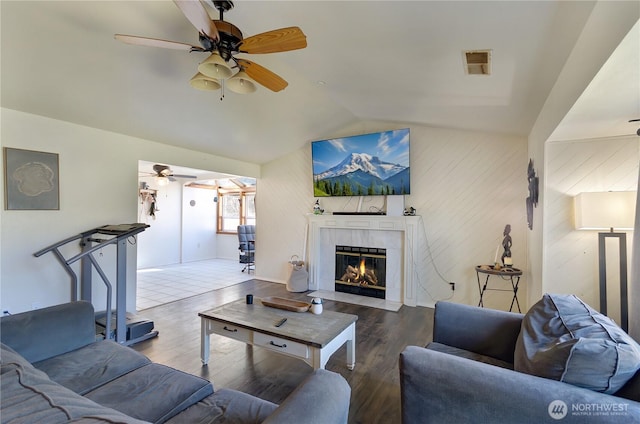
x,y
160,285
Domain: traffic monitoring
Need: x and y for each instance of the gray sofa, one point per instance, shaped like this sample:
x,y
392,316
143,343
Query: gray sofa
x,y
54,371
466,375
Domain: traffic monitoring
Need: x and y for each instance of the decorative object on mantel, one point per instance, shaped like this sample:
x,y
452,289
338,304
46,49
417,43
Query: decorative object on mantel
x,y
31,180
506,245
608,211
317,210
532,200
410,211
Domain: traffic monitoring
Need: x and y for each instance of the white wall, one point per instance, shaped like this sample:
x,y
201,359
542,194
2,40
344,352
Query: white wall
x,y
227,246
608,24
467,186
98,186
573,167
178,232
198,224
160,244
182,233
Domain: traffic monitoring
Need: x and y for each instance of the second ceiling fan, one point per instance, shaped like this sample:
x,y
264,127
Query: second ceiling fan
x,y
223,41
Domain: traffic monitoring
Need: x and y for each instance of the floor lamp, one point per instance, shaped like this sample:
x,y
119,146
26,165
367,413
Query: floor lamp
x,y
611,210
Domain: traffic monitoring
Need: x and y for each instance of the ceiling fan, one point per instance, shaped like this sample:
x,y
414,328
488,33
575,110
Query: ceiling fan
x,y
223,41
164,174
636,120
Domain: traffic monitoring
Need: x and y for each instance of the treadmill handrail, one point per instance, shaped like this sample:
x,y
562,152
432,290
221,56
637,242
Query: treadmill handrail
x,y
102,244
56,245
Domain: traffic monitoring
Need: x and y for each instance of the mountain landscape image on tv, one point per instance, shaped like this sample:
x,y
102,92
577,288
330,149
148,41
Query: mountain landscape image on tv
x,y
374,164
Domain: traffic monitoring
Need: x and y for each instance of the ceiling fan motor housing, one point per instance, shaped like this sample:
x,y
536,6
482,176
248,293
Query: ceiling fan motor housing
x,y
230,39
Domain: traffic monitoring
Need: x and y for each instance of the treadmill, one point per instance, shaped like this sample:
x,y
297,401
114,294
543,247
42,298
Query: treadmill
x,y
115,324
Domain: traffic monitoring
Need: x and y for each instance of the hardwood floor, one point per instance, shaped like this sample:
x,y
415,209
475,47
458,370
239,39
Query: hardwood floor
x,y
380,337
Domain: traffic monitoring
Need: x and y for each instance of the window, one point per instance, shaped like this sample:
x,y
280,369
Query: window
x,y
235,207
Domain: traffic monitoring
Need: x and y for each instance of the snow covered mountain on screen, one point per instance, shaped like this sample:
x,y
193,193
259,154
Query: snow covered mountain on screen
x,y
371,165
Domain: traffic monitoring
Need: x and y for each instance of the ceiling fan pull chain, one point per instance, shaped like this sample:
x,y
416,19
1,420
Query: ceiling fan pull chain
x,y
222,90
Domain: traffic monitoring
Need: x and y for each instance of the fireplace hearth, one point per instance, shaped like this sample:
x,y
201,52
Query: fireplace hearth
x,y
361,271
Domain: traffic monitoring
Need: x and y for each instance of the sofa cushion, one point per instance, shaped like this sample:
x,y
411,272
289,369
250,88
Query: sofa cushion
x,y
9,358
153,392
89,367
58,329
469,355
29,396
226,406
562,338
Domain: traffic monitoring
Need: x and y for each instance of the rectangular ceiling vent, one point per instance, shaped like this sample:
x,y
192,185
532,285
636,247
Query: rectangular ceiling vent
x,y
477,62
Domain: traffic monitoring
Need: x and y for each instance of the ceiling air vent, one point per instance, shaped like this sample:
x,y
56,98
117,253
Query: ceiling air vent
x,y
477,62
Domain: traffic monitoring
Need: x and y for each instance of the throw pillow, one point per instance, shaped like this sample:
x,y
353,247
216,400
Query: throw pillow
x,y
564,339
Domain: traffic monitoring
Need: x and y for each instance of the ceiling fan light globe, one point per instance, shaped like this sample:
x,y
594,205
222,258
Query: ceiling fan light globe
x,y
215,67
203,82
162,181
241,83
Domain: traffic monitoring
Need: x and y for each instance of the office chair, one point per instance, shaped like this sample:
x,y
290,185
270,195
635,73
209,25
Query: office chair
x,y
247,246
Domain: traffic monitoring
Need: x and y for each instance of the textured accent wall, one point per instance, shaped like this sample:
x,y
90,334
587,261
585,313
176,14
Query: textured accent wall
x,y
571,256
466,186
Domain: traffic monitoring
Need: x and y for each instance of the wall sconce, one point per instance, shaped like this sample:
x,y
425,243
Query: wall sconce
x,y
612,210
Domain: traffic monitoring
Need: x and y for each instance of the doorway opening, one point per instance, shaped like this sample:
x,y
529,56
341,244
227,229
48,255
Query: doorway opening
x,y
191,245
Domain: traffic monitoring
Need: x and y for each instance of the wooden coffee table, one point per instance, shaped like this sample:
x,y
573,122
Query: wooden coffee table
x,y
312,338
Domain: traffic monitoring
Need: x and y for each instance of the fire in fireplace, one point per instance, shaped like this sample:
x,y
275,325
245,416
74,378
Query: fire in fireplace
x,y
361,271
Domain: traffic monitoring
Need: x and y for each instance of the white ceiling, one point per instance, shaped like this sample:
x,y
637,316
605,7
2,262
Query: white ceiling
x,y
379,60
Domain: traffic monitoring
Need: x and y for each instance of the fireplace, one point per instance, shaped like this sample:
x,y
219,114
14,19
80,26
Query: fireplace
x,y
361,271
399,235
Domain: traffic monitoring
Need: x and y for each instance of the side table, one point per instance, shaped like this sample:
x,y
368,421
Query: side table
x,y
506,273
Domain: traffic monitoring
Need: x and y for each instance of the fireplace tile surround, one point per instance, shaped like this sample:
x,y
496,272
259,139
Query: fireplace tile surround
x,y
397,234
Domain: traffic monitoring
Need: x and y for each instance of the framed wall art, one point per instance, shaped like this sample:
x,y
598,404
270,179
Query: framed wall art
x,y
31,180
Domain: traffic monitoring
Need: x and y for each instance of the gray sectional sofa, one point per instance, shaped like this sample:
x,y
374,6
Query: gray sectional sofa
x,y
54,371
469,373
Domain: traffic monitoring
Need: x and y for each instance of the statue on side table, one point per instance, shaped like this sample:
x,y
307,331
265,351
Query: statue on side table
x,y
506,244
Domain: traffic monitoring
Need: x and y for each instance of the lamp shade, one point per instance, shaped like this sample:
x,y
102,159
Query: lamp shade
x,y
241,83
605,210
203,82
215,67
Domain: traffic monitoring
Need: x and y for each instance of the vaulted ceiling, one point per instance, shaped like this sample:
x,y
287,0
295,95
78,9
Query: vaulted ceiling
x,y
366,60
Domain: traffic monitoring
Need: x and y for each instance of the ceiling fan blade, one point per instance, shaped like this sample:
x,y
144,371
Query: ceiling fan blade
x,y
184,176
262,75
161,170
155,42
195,12
278,40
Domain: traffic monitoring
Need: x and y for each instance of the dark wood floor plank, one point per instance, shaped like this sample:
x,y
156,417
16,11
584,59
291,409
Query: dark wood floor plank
x,y
380,337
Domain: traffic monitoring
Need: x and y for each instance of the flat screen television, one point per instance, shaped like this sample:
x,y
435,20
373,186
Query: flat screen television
x,y
375,164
